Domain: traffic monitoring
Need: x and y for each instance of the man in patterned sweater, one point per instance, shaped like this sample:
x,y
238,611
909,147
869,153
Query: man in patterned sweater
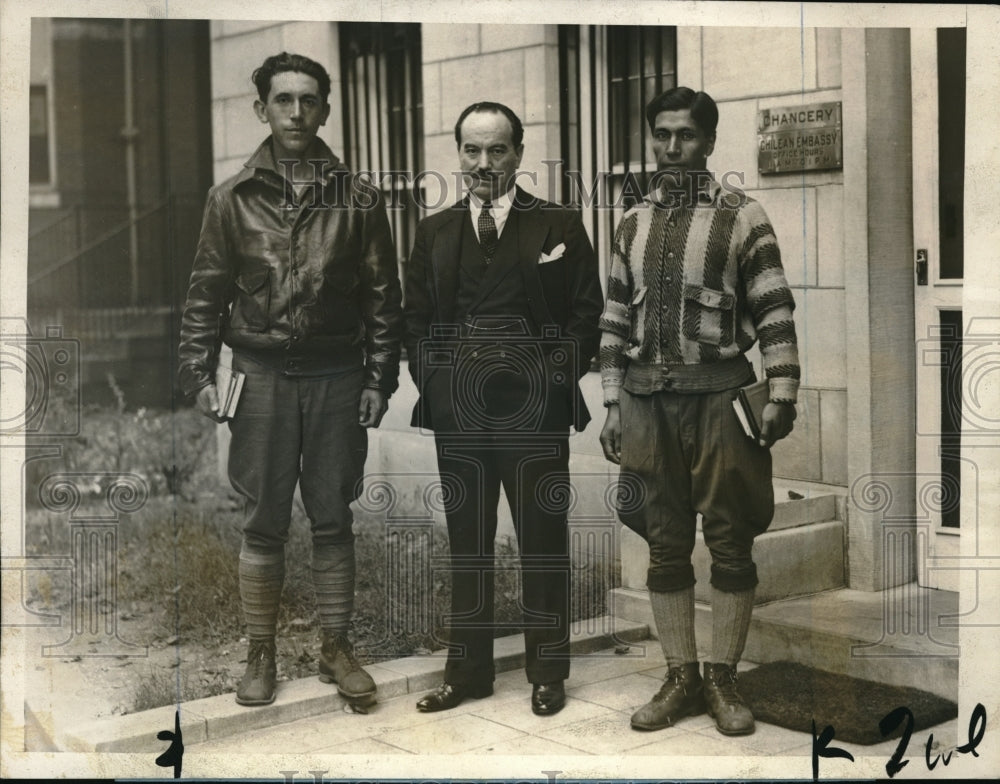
x,y
696,279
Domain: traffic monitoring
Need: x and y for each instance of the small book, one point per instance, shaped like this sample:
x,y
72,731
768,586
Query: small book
x,y
749,406
228,385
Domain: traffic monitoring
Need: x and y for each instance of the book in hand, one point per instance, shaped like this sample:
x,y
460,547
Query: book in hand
x,y
228,385
749,406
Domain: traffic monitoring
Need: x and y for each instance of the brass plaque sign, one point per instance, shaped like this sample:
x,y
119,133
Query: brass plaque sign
x,y
800,138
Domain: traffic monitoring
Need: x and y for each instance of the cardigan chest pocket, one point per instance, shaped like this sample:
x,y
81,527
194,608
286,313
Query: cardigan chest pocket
x,y
253,300
635,319
709,316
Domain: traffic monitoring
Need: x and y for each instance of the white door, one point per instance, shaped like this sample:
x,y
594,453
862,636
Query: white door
x,y
937,59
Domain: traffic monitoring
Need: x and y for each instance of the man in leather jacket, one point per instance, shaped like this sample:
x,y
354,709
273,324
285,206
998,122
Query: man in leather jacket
x,y
295,270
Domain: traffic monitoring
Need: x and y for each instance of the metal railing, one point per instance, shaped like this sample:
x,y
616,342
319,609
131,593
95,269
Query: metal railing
x,y
82,249
84,258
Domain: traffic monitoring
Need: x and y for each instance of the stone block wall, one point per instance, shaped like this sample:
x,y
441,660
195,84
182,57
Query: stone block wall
x,y
801,66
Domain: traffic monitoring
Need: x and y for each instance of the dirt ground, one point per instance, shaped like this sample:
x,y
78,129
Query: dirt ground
x,y
159,670
181,652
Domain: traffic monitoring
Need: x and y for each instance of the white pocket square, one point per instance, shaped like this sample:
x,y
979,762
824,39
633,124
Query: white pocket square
x,y
553,255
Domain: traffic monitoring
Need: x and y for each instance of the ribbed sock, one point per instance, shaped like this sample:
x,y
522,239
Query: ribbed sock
x,y
262,574
333,581
673,612
731,613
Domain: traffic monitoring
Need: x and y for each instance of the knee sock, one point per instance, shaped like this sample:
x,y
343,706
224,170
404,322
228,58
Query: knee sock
x,y
673,612
333,581
731,613
262,573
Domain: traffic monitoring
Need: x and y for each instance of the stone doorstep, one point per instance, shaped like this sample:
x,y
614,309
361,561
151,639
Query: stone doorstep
x,y
220,716
795,561
802,511
775,635
792,560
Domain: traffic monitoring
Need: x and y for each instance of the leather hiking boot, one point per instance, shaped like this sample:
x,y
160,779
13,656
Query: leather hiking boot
x,y
724,704
338,665
258,683
679,696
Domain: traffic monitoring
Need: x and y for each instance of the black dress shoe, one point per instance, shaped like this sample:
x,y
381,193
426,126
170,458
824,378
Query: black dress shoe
x,y
547,698
449,695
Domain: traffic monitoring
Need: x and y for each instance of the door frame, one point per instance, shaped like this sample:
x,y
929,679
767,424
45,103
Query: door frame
x,y
933,492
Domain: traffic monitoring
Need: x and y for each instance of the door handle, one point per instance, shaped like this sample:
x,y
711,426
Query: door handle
x,y
922,267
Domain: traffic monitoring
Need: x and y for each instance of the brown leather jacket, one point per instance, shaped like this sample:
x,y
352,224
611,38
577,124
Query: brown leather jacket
x,y
306,284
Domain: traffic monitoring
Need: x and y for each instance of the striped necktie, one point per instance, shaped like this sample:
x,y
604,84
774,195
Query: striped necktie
x,y
487,232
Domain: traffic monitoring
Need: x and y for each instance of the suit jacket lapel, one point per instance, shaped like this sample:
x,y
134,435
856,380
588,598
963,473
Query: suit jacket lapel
x,y
445,258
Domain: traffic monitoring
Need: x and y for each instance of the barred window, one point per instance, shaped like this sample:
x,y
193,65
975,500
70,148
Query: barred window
x,y
383,114
607,76
642,63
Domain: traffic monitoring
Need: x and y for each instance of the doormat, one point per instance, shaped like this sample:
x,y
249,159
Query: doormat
x,y
793,695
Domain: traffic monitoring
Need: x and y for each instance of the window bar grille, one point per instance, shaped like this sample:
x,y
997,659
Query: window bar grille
x,y
593,170
356,64
382,124
626,109
565,108
414,114
364,91
641,108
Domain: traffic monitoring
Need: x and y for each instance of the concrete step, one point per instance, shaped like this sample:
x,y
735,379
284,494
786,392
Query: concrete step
x,y
906,635
794,558
792,509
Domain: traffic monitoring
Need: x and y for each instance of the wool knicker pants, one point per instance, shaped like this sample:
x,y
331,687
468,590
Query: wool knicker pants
x,y
297,430
688,454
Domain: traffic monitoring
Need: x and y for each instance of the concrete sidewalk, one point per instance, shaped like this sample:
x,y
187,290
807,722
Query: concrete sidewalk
x,y
616,668
50,726
603,690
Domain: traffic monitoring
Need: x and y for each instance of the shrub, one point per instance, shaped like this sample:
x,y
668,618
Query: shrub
x,y
173,451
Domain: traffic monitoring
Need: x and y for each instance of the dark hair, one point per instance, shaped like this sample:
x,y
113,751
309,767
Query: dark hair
x,y
517,129
280,63
703,108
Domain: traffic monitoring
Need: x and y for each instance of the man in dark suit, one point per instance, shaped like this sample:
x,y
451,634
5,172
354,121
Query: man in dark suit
x,y
502,307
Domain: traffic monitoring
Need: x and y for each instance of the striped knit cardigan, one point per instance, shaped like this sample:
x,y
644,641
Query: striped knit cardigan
x,y
697,284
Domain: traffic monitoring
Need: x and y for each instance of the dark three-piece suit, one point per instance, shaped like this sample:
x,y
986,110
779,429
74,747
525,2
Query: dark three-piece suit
x,y
496,346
